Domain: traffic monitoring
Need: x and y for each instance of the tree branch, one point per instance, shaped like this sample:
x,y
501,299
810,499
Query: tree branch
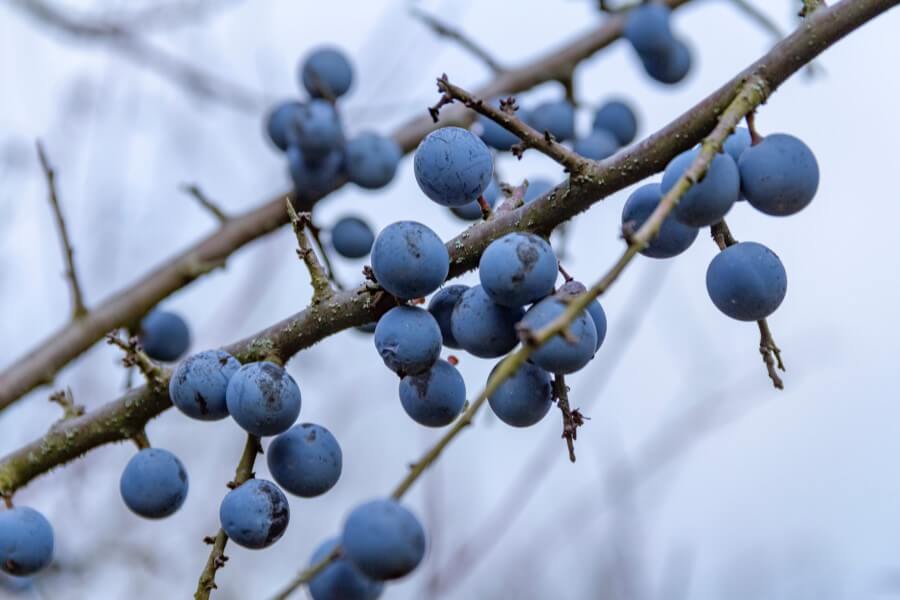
x,y
203,200
317,275
444,30
78,307
571,420
120,419
127,306
136,357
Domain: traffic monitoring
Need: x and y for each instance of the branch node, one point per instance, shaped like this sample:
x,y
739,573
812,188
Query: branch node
x,y
319,279
67,401
136,357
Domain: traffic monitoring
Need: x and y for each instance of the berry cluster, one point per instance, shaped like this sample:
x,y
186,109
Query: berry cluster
x,y
664,56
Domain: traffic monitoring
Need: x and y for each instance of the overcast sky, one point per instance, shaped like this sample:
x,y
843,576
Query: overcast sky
x,y
746,493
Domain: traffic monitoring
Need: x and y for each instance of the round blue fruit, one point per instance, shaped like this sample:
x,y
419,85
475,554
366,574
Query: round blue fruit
x,y
496,136
198,385
708,200
26,541
305,460
598,316
779,175
597,145
263,398
668,66
560,355
619,119
441,308
736,143
383,539
326,72
518,269
340,580
482,327
453,166
472,210
674,237
537,188
746,281
279,123
352,237
316,129
408,340
314,177
371,160
435,397
524,398
154,483
164,336
255,514
409,260
556,117
648,28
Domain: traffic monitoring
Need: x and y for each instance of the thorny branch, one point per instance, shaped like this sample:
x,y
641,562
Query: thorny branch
x,y
78,308
136,357
318,277
571,419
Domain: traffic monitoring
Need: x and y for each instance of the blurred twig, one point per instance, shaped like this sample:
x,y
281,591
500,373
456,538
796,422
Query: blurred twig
x,y
203,200
78,307
451,33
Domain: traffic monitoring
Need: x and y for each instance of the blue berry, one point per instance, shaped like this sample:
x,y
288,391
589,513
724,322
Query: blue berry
x,y
518,269
326,72
409,260
352,237
316,129
472,210
305,460
537,188
441,307
371,160
263,398
314,177
710,199
255,514
619,119
26,541
434,398
482,327
154,483
560,355
598,316
736,143
668,66
496,136
164,336
453,166
779,175
279,123
408,340
198,385
383,539
648,28
597,145
340,580
746,281
674,237
524,398
556,117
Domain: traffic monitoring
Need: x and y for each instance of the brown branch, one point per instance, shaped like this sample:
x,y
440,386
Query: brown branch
x,y
217,558
315,234
317,275
78,307
127,306
571,420
505,116
444,30
120,419
136,357
203,200
770,352
67,402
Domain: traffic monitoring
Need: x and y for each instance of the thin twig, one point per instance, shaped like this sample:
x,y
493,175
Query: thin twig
x,y
505,117
136,357
217,558
315,233
571,420
203,200
78,307
770,352
318,277
67,401
451,33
